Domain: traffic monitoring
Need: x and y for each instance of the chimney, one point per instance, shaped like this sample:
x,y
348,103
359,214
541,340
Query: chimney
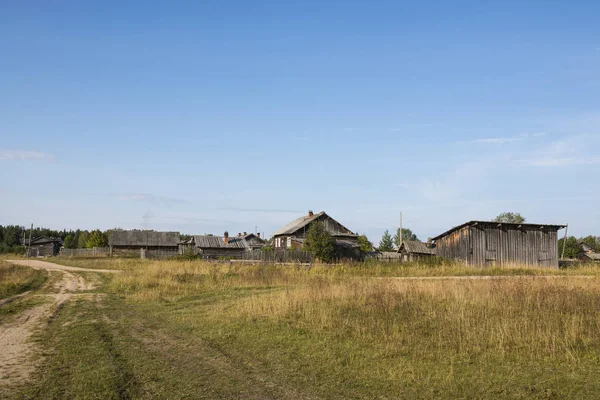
x,y
245,233
258,235
239,234
226,237
310,213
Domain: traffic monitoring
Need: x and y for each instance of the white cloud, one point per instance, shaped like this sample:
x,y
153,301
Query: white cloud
x,y
25,155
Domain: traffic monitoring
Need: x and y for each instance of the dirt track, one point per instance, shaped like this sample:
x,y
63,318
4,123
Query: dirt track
x,y
15,349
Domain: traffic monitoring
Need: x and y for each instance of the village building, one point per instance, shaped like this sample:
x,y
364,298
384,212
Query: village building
x,y
43,246
293,235
254,241
494,243
588,253
131,242
414,250
209,246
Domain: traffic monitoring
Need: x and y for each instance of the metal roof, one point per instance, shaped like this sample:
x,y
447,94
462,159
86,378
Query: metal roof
x,y
503,224
143,238
212,242
416,247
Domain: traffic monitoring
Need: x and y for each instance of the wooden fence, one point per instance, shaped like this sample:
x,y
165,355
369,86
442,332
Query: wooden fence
x,y
287,256
93,252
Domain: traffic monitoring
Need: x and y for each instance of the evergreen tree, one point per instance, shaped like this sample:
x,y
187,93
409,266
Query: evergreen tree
x,y
386,243
70,242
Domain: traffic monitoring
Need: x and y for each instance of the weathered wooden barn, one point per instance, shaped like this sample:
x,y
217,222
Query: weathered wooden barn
x,y
209,246
131,242
493,243
293,234
414,250
43,246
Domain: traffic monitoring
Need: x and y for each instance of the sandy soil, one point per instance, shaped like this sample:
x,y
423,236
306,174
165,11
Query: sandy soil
x,y
16,363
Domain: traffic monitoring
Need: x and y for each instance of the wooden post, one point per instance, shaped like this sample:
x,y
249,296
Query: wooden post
x,y
29,244
400,233
562,257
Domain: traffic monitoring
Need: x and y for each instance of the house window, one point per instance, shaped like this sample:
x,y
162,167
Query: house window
x,y
289,242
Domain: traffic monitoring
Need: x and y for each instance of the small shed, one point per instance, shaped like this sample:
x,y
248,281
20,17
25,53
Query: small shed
x,y
44,246
130,242
494,243
414,250
209,246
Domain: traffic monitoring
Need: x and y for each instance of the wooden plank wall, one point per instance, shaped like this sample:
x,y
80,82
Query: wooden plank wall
x,y
493,245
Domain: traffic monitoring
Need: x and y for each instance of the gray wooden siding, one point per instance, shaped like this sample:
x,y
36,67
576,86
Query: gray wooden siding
x,y
501,245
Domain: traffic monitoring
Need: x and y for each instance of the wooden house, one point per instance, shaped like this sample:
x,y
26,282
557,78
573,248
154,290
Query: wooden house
x,y
588,253
414,250
43,246
131,242
292,235
209,246
493,243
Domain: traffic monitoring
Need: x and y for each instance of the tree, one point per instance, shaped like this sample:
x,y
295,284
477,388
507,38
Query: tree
x,y
82,239
70,242
320,242
510,218
96,239
386,243
572,248
365,245
407,234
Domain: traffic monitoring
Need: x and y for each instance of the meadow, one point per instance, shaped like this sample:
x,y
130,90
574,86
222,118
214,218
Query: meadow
x,y
194,329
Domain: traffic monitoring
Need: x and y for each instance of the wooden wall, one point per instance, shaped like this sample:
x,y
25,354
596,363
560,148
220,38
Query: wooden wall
x,y
490,244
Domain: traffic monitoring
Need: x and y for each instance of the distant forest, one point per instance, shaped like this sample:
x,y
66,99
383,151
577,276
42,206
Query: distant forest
x,y
13,237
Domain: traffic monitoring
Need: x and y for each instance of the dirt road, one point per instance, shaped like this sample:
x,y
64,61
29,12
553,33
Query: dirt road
x,y
15,348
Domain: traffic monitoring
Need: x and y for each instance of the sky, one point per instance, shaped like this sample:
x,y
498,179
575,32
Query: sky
x,y
206,116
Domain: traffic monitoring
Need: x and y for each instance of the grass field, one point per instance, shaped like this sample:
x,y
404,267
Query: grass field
x,y
15,280
192,329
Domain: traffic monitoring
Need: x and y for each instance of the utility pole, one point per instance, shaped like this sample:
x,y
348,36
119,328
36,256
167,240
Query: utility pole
x,y
400,233
29,244
562,257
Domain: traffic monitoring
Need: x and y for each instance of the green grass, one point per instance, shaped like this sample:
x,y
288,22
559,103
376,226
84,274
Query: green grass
x,y
15,279
204,330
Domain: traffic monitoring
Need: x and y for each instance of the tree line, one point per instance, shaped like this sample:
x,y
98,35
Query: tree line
x,y
13,238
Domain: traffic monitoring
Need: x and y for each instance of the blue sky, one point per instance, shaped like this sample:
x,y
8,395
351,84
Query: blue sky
x,y
223,115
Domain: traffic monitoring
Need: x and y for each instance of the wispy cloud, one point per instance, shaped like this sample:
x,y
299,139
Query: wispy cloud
x,y
151,199
508,139
25,155
498,140
571,150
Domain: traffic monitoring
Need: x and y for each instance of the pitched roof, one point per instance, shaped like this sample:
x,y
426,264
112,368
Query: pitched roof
x,y
504,224
301,222
592,256
416,247
212,242
297,224
43,239
143,238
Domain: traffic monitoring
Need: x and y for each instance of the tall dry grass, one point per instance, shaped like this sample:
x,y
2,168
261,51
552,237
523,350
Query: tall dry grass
x,y
15,279
533,316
